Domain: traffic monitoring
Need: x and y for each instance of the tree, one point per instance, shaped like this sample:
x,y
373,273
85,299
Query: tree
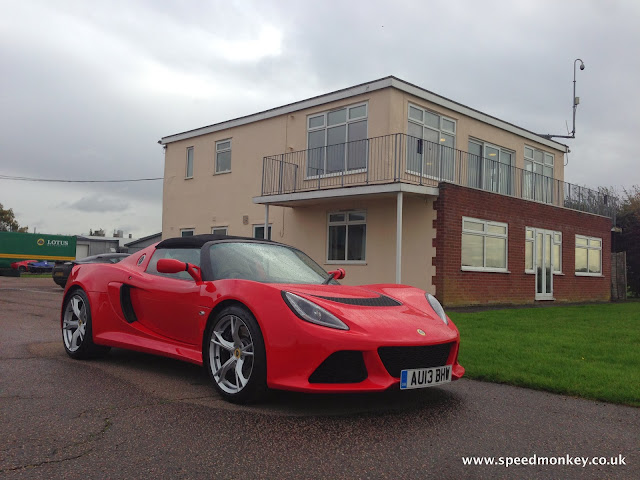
x,y
629,221
8,221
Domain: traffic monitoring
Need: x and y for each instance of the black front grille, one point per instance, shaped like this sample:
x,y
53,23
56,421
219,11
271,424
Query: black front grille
x,y
380,301
396,359
346,366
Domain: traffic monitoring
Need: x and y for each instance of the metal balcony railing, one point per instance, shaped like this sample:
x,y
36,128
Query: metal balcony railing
x,y
402,158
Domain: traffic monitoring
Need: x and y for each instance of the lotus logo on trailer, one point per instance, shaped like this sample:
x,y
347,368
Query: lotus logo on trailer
x,y
41,241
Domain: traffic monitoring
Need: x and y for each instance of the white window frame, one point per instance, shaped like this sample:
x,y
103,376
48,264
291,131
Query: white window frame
x,y
325,126
184,230
486,234
495,164
440,130
533,191
557,269
220,149
189,161
261,225
224,227
346,222
589,248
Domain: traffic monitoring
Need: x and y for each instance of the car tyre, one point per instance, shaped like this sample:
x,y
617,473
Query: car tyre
x,y
235,356
77,336
22,269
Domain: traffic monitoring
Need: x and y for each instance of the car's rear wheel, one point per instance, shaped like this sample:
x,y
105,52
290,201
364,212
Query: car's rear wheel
x,y
22,269
76,327
234,355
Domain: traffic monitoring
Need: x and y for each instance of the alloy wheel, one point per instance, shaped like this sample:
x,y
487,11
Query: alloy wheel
x,y
231,354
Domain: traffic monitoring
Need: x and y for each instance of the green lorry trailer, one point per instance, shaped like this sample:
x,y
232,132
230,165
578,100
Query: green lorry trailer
x,y
16,246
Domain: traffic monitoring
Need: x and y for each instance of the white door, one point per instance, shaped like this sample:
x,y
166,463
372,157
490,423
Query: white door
x,y
543,264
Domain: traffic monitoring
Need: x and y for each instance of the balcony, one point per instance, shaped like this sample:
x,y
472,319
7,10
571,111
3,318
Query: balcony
x,y
399,158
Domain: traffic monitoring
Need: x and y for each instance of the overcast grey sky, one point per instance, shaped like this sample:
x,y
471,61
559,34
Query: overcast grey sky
x,y
87,88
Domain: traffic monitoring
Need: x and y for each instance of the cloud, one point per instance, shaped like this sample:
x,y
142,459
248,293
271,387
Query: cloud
x,y
100,204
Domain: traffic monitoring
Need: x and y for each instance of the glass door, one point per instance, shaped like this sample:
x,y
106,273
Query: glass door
x,y
543,264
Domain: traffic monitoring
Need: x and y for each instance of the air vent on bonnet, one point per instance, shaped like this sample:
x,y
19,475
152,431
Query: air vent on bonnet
x,y
381,301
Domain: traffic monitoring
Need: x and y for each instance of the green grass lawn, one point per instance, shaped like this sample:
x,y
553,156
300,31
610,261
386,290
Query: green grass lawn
x,y
591,351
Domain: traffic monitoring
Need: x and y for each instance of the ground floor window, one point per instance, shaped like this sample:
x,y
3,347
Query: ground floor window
x,y
187,232
258,231
347,235
220,230
484,245
588,255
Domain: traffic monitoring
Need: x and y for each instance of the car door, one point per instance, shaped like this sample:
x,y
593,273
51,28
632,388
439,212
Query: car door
x,y
168,305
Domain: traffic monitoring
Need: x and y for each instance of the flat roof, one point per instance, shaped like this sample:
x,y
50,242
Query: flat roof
x,y
386,82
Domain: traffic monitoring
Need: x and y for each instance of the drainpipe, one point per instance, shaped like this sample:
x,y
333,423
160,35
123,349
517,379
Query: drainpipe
x,y
266,221
399,238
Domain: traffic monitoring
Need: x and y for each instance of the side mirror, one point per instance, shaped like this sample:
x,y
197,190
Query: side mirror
x,y
171,265
338,274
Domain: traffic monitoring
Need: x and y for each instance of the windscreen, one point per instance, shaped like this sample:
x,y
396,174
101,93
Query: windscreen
x,y
263,262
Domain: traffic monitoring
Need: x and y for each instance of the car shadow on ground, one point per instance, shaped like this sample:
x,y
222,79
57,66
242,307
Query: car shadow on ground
x,y
180,381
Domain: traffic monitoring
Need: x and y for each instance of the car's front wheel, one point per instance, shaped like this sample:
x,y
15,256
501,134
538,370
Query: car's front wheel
x,y
76,327
235,357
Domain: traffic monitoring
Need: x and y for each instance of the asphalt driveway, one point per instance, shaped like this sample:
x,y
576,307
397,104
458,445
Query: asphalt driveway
x,y
131,415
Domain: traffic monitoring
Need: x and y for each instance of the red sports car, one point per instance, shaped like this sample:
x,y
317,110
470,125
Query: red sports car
x,y
23,265
259,314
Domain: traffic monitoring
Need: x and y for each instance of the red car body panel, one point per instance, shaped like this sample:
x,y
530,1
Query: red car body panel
x,y
172,315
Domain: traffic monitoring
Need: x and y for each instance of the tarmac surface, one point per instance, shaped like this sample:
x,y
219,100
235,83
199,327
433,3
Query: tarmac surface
x,y
131,415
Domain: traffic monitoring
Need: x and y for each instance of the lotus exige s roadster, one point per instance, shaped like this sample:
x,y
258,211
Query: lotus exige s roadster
x,y
259,314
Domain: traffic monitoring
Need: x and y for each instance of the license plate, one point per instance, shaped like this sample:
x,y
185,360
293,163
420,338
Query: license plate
x,y
57,274
424,377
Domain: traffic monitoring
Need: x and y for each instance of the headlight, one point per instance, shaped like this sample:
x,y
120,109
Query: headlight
x,y
435,304
311,312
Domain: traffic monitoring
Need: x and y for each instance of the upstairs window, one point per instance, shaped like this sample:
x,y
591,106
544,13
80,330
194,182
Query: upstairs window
x,y
490,167
223,156
189,168
538,175
430,144
337,141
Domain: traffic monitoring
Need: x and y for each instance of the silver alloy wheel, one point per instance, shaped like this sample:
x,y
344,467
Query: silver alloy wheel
x,y
74,323
231,354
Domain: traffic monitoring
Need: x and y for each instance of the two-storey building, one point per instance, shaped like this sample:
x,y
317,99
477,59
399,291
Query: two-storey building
x,y
397,184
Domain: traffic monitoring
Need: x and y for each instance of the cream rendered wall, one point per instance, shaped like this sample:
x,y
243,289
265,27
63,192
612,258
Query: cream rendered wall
x,y
209,199
467,127
306,228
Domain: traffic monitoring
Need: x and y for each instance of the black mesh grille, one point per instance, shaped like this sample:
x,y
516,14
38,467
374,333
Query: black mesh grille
x,y
381,301
396,359
341,367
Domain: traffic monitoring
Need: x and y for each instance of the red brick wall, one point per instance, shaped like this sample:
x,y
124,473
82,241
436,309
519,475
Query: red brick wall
x,y
455,287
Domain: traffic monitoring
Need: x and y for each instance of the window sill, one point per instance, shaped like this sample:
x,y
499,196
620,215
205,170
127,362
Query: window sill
x,y
532,272
222,173
484,270
345,262
582,274
188,178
